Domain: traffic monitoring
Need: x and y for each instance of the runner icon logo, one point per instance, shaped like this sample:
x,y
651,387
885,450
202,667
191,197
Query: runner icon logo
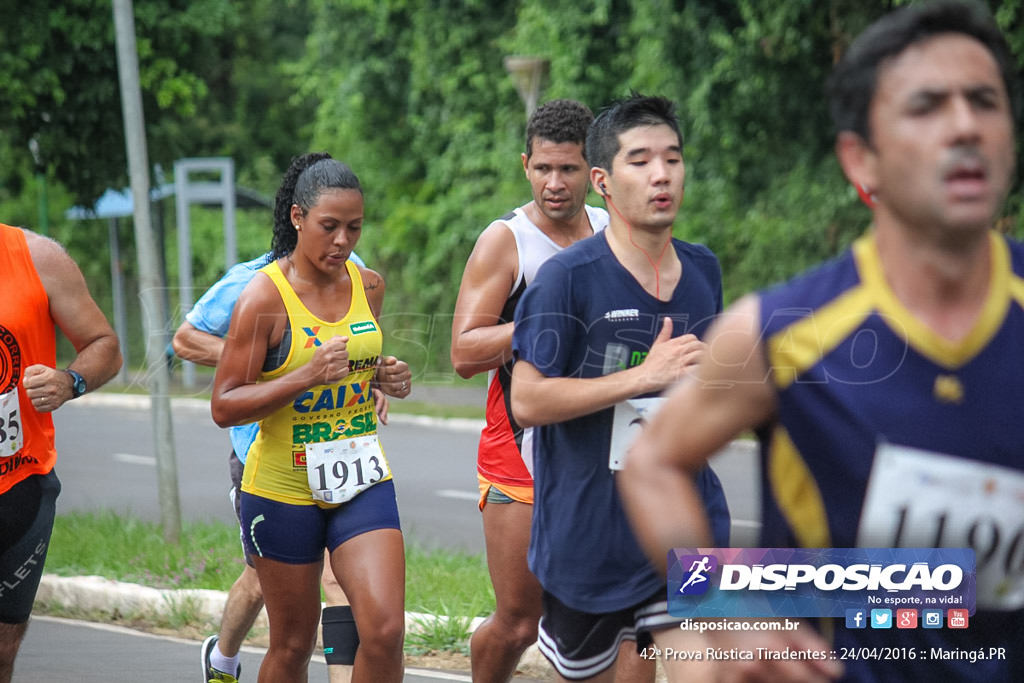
x,y
695,581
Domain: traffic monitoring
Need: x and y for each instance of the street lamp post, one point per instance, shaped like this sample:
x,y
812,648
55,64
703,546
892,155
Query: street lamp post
x,y
44,205
529,73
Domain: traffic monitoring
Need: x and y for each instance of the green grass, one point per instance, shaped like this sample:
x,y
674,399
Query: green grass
x,y
209,556
440,582
127,549
441,633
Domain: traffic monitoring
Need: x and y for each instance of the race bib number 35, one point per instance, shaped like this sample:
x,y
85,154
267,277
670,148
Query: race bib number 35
x,y
919,499
340,470
11,438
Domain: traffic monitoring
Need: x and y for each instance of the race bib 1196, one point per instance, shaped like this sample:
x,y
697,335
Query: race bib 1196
x,y
920,499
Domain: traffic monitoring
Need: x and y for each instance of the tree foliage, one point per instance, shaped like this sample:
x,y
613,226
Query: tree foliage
x,y
212,79
59,72
415,97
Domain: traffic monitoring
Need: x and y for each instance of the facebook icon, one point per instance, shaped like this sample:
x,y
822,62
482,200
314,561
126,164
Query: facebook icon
x,y
856,618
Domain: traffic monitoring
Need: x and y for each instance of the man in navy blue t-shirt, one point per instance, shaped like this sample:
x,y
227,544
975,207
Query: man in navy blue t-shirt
x,y
614,318
886,386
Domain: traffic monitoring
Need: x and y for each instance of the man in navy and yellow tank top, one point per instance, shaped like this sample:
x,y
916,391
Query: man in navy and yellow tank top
x,y
886,386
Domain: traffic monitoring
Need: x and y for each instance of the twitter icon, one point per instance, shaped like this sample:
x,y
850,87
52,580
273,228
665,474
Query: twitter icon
x,y
881,618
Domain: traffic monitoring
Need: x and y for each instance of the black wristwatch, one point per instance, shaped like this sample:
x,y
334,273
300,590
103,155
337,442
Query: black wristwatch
x,y
77,383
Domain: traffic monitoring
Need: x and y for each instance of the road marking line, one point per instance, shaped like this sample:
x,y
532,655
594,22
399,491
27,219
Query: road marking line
x,y
427,673
459,495
749,524
133,459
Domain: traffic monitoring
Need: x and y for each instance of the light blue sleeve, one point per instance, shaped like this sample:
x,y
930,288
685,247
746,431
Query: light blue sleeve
x,y
242,438
212,313
354,258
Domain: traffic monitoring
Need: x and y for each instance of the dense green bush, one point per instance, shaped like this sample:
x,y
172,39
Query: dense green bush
x,y
414,96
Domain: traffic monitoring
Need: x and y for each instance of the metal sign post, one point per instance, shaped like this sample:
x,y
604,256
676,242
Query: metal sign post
x,y
186,193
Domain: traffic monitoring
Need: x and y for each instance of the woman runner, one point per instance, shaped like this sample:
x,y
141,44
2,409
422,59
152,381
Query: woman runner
x,y
302,353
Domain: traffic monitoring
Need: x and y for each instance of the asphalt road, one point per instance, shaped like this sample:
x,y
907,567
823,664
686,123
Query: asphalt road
x,y
57,650
107,460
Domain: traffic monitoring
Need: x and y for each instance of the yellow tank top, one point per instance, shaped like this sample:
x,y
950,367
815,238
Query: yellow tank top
x,y
276,465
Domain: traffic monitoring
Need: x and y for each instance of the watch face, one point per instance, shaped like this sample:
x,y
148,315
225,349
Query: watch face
x,y
78,384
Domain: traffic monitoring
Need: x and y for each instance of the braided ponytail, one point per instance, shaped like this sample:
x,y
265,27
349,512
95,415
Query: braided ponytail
x,y
306,178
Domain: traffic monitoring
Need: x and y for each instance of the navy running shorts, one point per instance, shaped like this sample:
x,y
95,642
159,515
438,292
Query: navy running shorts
x,y
581,645
298,534
27,510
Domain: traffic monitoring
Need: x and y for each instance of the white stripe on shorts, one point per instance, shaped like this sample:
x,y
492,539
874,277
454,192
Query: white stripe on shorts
x,y
578,670
655,617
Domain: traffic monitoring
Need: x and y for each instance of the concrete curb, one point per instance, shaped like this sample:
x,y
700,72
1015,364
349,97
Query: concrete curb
x,y
106,596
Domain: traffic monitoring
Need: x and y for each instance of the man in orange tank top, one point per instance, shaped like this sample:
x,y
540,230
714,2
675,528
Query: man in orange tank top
x,y
41,289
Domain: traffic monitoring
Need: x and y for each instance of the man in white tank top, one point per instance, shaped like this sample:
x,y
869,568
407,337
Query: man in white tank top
x,y
506,257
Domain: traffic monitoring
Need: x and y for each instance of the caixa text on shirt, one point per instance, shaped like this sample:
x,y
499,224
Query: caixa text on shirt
x,y
331,398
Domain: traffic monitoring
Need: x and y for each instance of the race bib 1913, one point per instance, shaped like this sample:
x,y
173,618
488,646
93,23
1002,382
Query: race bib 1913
x,y
340,470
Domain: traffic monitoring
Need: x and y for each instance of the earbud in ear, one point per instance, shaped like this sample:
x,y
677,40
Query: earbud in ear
x,y
604,190
866,195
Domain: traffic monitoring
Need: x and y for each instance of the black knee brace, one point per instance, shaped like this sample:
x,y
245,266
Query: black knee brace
x,y
339,634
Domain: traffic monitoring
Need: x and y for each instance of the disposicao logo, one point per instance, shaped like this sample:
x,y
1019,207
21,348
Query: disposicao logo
x,y
696,580
817,582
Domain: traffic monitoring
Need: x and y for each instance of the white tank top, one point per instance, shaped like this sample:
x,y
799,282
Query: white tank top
x,y
534,248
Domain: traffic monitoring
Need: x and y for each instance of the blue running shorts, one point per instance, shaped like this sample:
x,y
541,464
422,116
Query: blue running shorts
x,y
298,534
